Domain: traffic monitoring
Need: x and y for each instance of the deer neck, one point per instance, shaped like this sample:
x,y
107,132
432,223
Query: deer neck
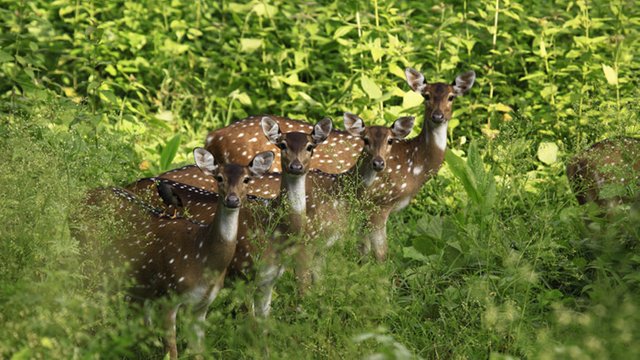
x,y
362,174
224,228
293,189
432,143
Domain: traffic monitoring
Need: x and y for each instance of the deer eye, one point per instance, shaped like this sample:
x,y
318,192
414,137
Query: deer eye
x,y
366,141
451,97
426,97
246,180
309,147
219,178
282,146
390,141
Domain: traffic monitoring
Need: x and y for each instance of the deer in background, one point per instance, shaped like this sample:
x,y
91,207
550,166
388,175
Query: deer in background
x,y
607,173
177,257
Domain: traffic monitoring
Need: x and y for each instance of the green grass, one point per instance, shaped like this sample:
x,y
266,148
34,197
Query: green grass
x,y
498,265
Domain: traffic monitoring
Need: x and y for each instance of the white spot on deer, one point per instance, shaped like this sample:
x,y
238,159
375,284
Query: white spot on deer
x,y
417,170
181,279
240,135
253,139
171,261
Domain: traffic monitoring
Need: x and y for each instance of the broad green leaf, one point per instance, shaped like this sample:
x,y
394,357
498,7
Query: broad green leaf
x,y
342,31
548,152
4,57
169,152
463,173
411,99
174,48
370,87
261,9
250,45
611,74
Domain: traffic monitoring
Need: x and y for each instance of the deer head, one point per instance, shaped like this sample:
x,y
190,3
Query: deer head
x,y
297,147
377,139
232,179
438,97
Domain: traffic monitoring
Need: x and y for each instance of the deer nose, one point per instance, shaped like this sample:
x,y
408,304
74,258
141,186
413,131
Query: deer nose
x,y
232,201
296,167
378,164
437,117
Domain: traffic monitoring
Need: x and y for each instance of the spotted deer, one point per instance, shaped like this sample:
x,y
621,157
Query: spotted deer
x,y
411,163
414,161
607,173
238,141
187,260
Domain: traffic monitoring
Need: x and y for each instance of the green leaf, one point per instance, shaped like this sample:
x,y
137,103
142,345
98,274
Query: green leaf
x,y
169,152
463,173
411,99
4,57
342,31
611,74
249,45
548,152
370,87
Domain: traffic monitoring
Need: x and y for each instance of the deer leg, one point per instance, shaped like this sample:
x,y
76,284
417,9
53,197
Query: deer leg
x,y
302,269
378,234
170,332
200,315
265,280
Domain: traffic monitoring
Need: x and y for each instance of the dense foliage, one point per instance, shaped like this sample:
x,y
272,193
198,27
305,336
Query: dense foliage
x,y
493,259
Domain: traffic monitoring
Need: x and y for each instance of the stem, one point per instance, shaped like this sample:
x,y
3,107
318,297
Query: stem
x,y
495,24
375,7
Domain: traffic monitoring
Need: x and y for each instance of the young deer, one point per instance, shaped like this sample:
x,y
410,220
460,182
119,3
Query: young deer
x,y
607,173
178,257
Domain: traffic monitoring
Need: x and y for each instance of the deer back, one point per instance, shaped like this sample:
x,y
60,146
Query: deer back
x,y
607,173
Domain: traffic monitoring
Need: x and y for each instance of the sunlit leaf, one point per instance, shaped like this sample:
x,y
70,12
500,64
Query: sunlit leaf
x,y
250,45
611,74
370,87
548,152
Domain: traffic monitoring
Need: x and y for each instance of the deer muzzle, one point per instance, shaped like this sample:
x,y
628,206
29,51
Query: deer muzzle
x,y
377,163
296,168
232,201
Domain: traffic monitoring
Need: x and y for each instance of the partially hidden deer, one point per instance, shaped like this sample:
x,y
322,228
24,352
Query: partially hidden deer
x,y
411,163
327,215
183,259
607,173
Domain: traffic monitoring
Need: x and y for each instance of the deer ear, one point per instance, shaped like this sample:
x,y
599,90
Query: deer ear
x,y
415,80
353,124
261,163
204,160
321,130
464,82
402,127
271,130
